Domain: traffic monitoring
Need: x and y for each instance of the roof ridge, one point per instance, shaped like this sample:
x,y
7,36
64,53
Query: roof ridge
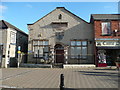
x,y
59,8
9,25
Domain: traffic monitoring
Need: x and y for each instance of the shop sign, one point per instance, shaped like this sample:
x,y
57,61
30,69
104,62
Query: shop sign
x,y
108,43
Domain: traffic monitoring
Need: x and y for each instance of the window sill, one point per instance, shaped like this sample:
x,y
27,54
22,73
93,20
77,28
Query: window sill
x,y
38,57
79,58
106,35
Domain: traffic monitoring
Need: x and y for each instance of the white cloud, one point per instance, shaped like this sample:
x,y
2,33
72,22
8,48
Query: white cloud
x,y
28,5
1,17
2,8
108,7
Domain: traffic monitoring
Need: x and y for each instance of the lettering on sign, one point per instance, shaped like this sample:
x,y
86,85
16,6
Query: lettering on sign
x,y
107,43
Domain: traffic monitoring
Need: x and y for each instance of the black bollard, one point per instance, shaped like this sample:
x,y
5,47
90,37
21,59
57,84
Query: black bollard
x,y
61,82
36,59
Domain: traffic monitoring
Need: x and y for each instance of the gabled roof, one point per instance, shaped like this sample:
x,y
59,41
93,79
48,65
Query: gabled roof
x,y
59,8
105,16
5,25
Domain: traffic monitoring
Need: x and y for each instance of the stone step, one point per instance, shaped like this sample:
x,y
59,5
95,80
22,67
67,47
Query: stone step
x,y
58,65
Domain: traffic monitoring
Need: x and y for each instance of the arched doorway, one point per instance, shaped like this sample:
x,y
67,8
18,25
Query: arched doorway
x,y
59,53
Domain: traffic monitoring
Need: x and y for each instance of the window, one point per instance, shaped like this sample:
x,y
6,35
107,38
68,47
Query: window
x,y
41,48
60,16
35,42
12,37
106,28
73,43
79,49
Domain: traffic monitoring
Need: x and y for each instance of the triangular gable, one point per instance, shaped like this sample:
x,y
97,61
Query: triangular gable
x,y
59,8
3,25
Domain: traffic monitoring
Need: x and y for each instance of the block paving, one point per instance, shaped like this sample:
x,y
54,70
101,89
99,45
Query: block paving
x,y
50,78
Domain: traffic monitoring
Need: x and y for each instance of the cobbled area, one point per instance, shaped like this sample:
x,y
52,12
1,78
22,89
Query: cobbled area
x,y
50,78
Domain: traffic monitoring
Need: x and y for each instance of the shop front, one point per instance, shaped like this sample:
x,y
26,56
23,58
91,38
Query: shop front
x,y
107,52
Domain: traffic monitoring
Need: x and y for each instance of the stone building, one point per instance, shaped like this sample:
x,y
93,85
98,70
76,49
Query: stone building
x,y
107,38
10,39
61,37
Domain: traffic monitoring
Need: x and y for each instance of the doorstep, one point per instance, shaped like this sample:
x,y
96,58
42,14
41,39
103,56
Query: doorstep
x,y
78,66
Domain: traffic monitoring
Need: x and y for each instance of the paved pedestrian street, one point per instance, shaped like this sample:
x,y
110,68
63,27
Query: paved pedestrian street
x,y
50,78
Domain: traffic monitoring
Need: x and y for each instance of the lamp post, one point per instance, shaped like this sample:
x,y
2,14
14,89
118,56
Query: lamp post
x,y
18,60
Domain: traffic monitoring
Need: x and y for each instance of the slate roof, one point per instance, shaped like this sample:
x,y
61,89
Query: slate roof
x,y
4,25
106,16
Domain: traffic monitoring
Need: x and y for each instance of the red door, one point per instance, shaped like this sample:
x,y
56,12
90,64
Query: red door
x,y
59,56
59,51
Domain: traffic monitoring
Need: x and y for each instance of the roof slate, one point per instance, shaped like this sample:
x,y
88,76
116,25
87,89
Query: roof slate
x,y
5,25
106,16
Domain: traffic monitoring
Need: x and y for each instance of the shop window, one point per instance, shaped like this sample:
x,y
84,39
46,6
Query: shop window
x,y
41,48
79,49
106,30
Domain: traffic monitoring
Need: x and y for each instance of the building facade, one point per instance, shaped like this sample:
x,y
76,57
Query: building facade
x,y
107,38
61,37
10,39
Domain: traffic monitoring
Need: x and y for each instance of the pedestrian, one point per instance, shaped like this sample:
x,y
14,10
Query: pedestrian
x,y
117,62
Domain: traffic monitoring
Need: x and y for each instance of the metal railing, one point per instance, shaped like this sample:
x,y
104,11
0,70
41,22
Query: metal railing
x,y
65,59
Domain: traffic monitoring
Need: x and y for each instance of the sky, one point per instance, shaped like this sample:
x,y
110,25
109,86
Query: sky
x,y
20,14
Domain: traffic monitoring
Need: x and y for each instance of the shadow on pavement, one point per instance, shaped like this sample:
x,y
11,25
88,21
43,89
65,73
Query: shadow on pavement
x,y
59,89
94,73
113,75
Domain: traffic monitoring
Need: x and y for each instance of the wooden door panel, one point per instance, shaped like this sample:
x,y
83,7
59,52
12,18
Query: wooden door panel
x,y
59,56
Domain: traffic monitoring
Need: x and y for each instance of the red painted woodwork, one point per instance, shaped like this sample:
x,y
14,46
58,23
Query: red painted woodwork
x,y
102,65
59,56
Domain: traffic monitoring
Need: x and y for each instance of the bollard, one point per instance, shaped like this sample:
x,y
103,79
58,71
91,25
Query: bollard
x,y
61,82
36,59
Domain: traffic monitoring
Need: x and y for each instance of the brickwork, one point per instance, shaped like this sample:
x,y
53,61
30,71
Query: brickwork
x,y
98,29
110,37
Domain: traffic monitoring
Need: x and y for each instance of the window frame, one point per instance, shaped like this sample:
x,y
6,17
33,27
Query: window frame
x,y
38,46
81,54
102,28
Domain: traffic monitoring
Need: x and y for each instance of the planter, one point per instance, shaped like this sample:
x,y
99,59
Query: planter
x,y
102,64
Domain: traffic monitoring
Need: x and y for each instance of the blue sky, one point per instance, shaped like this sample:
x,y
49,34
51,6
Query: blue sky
x,y
20,14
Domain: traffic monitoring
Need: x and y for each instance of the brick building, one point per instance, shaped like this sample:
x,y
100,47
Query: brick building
x,y
107,38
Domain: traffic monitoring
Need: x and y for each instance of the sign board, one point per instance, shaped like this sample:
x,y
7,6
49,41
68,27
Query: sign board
x,y
19,52
19,48
109,43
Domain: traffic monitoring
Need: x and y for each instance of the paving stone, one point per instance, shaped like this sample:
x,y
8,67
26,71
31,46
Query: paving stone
x,y
50,78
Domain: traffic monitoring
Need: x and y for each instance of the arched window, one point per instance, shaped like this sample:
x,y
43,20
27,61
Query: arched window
x,y
60,16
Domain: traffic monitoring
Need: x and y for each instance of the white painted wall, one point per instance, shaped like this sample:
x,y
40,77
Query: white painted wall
x,y
9,48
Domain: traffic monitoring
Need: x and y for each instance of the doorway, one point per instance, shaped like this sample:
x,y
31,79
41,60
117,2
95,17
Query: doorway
x,y
59,53
111,55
